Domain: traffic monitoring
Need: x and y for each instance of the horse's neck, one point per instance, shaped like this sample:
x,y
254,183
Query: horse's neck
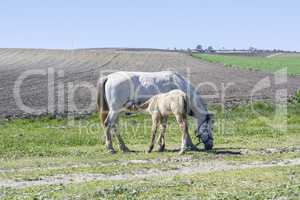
x,y
198,106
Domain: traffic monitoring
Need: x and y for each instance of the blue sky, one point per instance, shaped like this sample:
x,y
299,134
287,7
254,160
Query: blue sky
x,y
153,24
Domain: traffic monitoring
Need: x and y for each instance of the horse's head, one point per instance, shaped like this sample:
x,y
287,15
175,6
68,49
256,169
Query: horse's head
x,y
205,131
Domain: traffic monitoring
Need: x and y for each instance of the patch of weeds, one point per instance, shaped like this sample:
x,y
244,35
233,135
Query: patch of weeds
x,y
297,97
284,191
120,191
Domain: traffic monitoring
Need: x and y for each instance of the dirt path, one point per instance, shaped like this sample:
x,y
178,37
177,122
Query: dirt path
x,y
199,167
181,159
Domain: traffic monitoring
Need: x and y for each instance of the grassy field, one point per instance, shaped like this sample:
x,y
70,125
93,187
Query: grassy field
x,y
272,64
32,149
272,183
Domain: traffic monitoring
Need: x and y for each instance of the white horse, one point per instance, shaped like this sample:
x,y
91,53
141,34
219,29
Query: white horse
x,y
119,89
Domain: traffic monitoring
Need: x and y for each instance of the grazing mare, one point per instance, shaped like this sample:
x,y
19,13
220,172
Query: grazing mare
x,y
117,89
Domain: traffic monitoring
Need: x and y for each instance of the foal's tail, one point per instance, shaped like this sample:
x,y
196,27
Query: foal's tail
x,y
186,105
144,105
102,106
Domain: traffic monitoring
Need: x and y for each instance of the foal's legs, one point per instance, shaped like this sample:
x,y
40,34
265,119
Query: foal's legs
x,y
182,121
161,139
155,123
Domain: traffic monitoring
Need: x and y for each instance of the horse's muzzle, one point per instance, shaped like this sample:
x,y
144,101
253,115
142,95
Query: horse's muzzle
x,y
208,144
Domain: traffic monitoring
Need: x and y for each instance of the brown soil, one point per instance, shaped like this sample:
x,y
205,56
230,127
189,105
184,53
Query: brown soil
x,y
86,65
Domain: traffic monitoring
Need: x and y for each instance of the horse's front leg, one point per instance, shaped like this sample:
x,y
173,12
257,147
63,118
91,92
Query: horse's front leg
x,y
186,139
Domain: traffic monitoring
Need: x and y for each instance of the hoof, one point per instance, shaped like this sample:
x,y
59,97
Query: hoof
x,y
150,148
208,146
125,150
111,151
181,152
161,149
149,151
193,148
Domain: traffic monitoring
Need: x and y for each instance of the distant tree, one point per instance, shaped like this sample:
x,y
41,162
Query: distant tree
x,y
252,49
210,49
189,51
199,47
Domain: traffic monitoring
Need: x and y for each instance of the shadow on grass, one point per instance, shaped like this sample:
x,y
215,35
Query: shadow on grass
x,y
224,151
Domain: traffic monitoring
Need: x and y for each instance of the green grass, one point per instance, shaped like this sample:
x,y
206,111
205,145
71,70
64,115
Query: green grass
x,y
46,147
238,127
45,142
260,183
272,64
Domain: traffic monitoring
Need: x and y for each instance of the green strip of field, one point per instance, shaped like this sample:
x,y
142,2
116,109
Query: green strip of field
x,y
271,64
45,142
252,184
239,127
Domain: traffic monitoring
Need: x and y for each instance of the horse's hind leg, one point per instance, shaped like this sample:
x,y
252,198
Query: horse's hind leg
x,y
161,139
108,140
122,145
155,123
111,123
113,117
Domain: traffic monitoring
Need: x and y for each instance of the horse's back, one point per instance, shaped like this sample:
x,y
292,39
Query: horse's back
x,y
173,101
177,100
138,87
140,76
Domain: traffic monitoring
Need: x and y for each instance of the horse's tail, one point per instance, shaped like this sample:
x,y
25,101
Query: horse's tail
x,y
144,105
186,108
102,106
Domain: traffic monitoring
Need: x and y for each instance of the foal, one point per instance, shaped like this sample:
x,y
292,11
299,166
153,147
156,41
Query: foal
x,y
160,107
